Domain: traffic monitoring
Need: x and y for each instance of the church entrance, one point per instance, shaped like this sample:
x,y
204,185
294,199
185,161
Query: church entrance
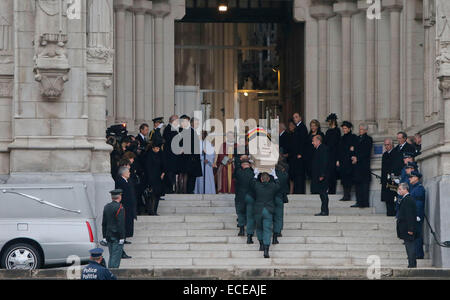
x,y
246,62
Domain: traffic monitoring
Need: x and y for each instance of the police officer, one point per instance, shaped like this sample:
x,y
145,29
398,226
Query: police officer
x,y
113,228
155,134
408,161
95,270
244,176
418,194
281,170
264,191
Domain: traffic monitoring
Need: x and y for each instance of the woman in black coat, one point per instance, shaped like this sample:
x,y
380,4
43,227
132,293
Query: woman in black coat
x,y
346,158
332,139
155,172
314,126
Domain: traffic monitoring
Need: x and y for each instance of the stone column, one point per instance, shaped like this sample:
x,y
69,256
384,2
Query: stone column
x,y
159,11
140,8
346,9
394,7
322,13
121,103
370,68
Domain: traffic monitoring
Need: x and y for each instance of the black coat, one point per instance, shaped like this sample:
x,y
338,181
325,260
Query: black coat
x,y
190,159
332,139
154,167
407,148
309,151
299,141
156,136
320,168
364,156
406,218
387,167
115,157
346,168
129,204
142,142
284,142
171,159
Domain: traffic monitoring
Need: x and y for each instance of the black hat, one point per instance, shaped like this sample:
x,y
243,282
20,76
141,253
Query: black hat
x,y
185,117
97,252
331,117
116,192
347,124
411,164
158,120
415,174
408,155
157,143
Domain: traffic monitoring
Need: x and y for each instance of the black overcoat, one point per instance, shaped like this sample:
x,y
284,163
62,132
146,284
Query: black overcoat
x,y
299,140
171,159
364,156
129,204
406,218
387,167
154,167
348,142
319,168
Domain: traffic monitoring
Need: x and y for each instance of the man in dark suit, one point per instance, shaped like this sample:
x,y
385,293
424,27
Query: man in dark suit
x,y
362,168
170,158
139,165
406,223
402,148
319,173
191,152
142,136
387,168
298,151
128,202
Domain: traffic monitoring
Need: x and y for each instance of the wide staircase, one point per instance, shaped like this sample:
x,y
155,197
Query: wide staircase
x,y
199,231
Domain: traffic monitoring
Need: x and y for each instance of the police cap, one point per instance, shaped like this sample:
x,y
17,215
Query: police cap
x,y
116,192
415,174
408,155
97,252
158,120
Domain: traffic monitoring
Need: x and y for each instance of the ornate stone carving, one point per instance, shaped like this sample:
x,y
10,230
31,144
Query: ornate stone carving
x,y
98,86
444,86
100,55
51,7
443,22
6,87
51,65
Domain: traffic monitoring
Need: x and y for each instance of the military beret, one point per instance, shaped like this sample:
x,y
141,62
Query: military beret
x,y
116,192
415,174
97,252
158,120
331,117
347,124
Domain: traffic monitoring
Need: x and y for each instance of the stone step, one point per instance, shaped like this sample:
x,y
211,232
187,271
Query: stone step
x,y
274,252
311,203
202,218
257,262
182,197
284,240
286,233
184,210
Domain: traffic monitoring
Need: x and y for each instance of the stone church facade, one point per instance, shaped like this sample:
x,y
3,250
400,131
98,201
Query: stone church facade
x,y
63,79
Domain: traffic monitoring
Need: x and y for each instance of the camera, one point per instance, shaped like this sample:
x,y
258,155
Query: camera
x,y
116,133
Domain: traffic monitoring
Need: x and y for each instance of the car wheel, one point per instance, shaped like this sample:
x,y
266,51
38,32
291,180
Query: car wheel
x,y
21,256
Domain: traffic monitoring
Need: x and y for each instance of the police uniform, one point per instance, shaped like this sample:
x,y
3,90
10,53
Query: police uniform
x,y
96,271
417,192
280,200
113,229
155,134
243,180
263,209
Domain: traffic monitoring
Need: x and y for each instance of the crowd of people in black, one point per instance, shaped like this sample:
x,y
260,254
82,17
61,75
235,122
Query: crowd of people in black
x,y
145,168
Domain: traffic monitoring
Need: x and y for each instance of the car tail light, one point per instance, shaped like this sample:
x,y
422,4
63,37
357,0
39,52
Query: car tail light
x,y
91,236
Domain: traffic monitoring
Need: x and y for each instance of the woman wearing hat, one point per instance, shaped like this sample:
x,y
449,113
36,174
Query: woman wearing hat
x,y
346,158
332,138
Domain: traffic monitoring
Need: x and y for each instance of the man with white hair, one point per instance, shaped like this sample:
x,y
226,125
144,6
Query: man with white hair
x,y
363,174
387,167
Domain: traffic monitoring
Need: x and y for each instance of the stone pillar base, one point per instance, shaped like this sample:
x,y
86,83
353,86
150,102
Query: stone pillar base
x,y
394,126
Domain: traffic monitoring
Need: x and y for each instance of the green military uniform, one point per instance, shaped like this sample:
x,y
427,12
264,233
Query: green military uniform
x,y
243,179
280,199
264,208
113,229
